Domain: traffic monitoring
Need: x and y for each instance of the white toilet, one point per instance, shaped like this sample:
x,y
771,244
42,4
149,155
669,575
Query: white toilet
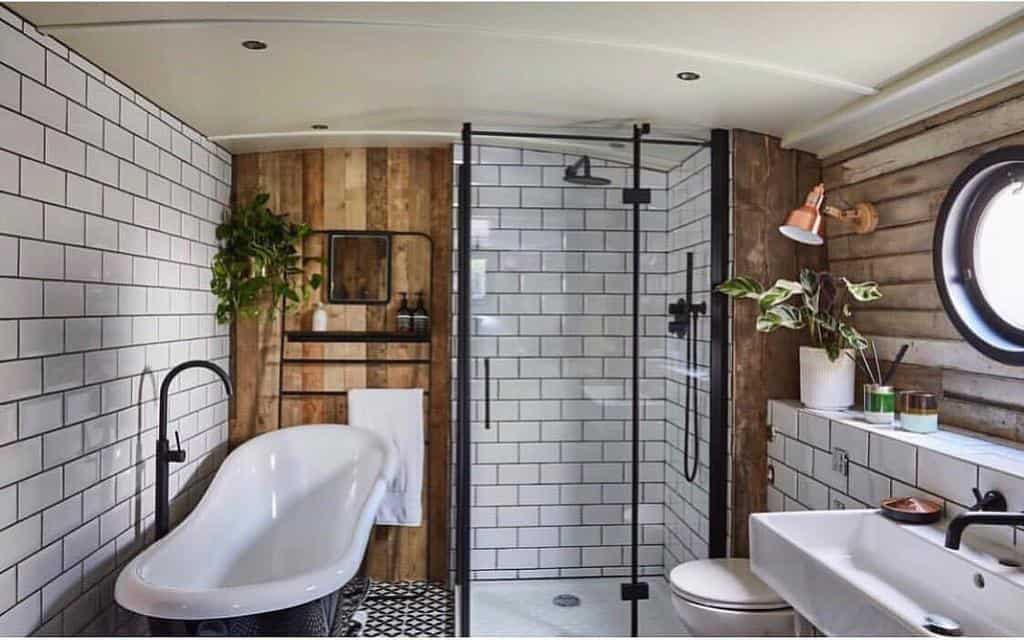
x,y
722,597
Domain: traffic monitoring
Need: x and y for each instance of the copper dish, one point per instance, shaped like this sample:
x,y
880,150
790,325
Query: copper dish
x,y
912,510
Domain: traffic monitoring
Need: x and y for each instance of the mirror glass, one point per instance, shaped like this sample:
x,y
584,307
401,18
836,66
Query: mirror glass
x,y
359,270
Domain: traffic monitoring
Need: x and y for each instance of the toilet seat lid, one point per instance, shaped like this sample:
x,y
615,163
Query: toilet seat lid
x,y
726,583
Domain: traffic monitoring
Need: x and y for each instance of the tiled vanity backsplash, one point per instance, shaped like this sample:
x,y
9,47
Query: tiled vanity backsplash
x,y
806,469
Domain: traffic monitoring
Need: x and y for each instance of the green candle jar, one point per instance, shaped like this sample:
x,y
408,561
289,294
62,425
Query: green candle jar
x,y
879,404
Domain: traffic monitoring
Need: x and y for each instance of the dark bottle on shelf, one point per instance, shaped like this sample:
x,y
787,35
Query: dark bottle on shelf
x,y
420,317
405,318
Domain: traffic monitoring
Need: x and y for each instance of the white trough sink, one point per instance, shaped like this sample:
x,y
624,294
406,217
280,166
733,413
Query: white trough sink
x,y
855,573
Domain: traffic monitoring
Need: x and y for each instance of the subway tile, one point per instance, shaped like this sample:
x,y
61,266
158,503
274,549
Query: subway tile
x,y
948,477
41,260
813,430
85,125
20,540
893,458
65,78
40,337
43,104
42,182
40,415
62,299
22,619
38,569
21,135
64,151
23,378
40,491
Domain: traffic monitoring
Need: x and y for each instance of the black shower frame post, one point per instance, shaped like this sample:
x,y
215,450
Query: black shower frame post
x,y
634,591
718,438
463,439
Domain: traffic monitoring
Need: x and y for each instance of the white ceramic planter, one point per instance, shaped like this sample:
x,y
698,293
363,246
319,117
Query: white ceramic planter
x,y
825,384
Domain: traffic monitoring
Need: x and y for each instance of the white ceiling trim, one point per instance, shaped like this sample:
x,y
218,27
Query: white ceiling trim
x,y
988,64
811,77
289,140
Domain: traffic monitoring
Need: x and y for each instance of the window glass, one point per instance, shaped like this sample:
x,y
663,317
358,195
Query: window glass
x,y
999,254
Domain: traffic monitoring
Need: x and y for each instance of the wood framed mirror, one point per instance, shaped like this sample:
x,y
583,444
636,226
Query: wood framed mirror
x,y
359,268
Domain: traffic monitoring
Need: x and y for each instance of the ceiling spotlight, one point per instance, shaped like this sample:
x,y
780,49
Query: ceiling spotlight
x,y
688,76
319,127
254,45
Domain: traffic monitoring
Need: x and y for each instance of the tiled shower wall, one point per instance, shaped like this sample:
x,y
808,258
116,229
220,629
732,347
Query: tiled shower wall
x,y
551,476
107,214
688,231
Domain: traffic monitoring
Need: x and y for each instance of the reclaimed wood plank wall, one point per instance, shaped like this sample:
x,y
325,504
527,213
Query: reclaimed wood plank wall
x,y
768,181
385,189
906,174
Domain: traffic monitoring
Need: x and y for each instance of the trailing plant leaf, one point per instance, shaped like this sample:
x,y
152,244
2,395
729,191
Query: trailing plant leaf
x,y
258,264
864,291
781,291
740,287
781,316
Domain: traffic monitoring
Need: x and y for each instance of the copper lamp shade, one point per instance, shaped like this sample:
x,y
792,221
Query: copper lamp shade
x,y
805,224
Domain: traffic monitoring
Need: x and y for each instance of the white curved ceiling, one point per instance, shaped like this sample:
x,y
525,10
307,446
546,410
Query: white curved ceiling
x,y
417,69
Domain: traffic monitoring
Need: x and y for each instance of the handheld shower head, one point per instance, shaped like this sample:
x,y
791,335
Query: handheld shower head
x,y
573,175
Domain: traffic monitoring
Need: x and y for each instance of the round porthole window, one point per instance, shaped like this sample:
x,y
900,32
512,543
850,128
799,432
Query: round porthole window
x,y
979,254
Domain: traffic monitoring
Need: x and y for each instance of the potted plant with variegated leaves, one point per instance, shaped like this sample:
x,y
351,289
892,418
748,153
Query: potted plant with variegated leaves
x,y
819,304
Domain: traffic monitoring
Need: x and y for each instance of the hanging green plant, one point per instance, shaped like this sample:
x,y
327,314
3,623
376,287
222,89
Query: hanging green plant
x,y
258,264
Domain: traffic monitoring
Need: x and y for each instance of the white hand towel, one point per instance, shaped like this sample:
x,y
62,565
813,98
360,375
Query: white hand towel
x,y
396,414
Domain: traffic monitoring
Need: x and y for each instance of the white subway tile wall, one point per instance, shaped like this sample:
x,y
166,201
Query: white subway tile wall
x,y
885,462
688,231
551,476
107,213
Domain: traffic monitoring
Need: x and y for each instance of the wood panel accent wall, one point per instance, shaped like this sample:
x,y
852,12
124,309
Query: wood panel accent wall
x,y
768,182
906,174
385,189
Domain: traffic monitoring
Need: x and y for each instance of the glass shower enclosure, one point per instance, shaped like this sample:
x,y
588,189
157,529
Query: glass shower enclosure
x,y
571,497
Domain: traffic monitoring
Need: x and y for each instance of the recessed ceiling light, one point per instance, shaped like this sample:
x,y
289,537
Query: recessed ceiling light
x,y
254,45
688,76
319,126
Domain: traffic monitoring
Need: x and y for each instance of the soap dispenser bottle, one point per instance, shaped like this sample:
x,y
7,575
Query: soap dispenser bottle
x,y
420,317
404,318
320,317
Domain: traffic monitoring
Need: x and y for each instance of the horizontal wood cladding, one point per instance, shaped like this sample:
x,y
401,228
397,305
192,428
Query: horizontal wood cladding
x,y
357,189
906,174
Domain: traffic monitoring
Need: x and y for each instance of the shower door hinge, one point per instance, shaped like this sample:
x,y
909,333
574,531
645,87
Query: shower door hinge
x,y
638,591
636,196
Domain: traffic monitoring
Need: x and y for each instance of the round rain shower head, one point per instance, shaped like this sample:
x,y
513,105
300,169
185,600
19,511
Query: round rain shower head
x,y
579,173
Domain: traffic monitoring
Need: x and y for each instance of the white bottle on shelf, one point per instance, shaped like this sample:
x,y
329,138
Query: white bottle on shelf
x,y
320,317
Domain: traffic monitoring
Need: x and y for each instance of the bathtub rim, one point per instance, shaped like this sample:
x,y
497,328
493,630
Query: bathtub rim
x,y
146,598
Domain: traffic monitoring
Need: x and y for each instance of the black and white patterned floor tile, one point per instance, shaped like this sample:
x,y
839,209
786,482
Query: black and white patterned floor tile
x,y
407,608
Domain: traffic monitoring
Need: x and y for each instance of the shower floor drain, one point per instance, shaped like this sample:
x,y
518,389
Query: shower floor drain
x,y
566,600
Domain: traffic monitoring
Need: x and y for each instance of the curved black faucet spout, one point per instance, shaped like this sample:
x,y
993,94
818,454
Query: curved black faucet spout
x,y
164,454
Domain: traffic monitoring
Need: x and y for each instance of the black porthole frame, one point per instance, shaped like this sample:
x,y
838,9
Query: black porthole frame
x,y
953,255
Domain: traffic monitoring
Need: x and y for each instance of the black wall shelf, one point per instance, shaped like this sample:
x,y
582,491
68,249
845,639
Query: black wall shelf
x,y
354,336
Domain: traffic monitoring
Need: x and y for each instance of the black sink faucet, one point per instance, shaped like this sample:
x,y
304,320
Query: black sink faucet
x,y
955,530
989,509
164,455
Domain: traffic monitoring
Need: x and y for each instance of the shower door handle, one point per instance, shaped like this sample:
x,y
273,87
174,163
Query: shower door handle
x,y
487,393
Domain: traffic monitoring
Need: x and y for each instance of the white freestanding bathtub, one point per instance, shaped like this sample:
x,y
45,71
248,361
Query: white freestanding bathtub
x,y
285,521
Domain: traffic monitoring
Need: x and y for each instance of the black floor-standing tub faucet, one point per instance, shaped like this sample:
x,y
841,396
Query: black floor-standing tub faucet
x,y
164,455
